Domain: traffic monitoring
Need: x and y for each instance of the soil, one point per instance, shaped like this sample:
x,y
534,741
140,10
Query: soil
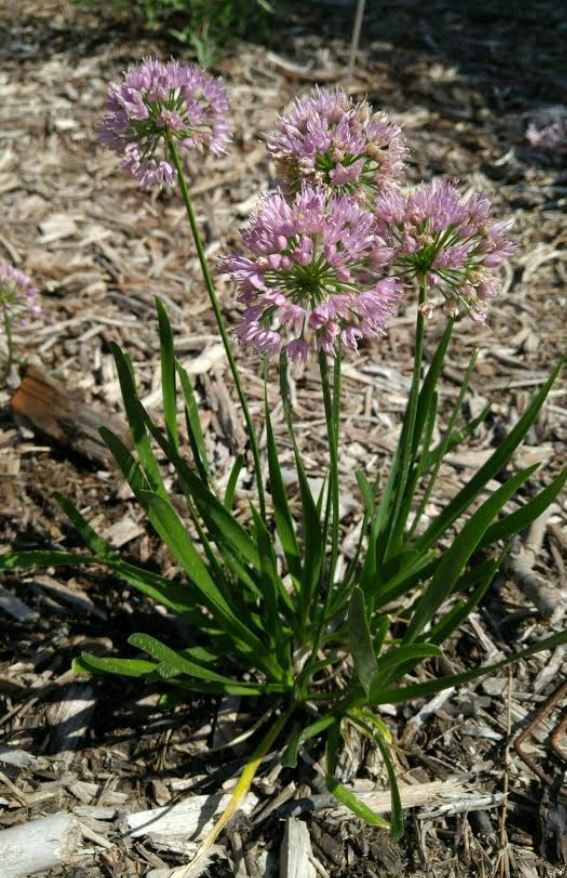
x,y
465,79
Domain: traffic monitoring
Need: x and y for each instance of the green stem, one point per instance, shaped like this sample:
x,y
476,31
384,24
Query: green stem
x,y
408,429
331,404
443,446
9,346
220,322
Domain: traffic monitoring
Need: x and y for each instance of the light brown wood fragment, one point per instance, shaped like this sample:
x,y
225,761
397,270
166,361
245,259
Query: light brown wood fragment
x,y
296,853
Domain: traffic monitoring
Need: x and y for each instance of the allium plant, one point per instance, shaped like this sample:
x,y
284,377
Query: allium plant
x,y
323,267
19,300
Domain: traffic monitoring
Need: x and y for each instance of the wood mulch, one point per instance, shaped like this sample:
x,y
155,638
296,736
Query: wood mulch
x,y
464,78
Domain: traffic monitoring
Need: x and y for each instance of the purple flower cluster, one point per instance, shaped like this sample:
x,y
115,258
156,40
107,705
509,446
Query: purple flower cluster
x,y
329,253
326,139
436,235
156,103
19,299
309,275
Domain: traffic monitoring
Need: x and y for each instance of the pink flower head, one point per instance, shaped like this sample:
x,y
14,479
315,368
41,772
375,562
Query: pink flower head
x,y
309,275
452,241
19,299
327,139
158,102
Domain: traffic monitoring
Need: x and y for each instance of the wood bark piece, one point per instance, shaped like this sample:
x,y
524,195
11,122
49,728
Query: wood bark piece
x,y
69,719
191,819
296,854
39,845
551,602
61,413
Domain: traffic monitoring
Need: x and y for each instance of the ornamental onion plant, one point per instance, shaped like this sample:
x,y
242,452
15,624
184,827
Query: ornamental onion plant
x,y
324,263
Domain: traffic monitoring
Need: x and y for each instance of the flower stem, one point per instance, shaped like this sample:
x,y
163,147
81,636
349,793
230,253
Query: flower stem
x,y
407,437
220,322
9,346
331,403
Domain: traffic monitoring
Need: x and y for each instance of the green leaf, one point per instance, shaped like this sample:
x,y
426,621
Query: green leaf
x,y
401,656
522,518
129,467
273,588
89,664
365,723
433,457
314,547
282,515
361,646
431,687
194,429
136,420
427,394
94,541
232,482
345,796
180,664
289,757
169,528
167,360
456,557
28,559
443,445
461,611
489,470
222,526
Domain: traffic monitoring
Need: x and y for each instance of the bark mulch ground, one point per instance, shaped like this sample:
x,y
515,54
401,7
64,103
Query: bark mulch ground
x,y
465,79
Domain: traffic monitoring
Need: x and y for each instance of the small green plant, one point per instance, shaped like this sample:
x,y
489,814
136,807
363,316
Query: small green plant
x,y
206,27
19,300
327,258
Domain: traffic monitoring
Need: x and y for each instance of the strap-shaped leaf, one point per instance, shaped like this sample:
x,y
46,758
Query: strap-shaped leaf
x,y
173,533
343,795
522,518
462,610
194,429
88,663
289,757
443,445
314,547
372,727
400,661
181,664
233,481
282,515
167,361
221,524
272,586
488,470
129,466
456,557
91,538
431,687
361,646
135,419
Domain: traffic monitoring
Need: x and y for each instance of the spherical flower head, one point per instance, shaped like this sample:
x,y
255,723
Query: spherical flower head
x,y
308,278
19,299
327,139
437,235
157,104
